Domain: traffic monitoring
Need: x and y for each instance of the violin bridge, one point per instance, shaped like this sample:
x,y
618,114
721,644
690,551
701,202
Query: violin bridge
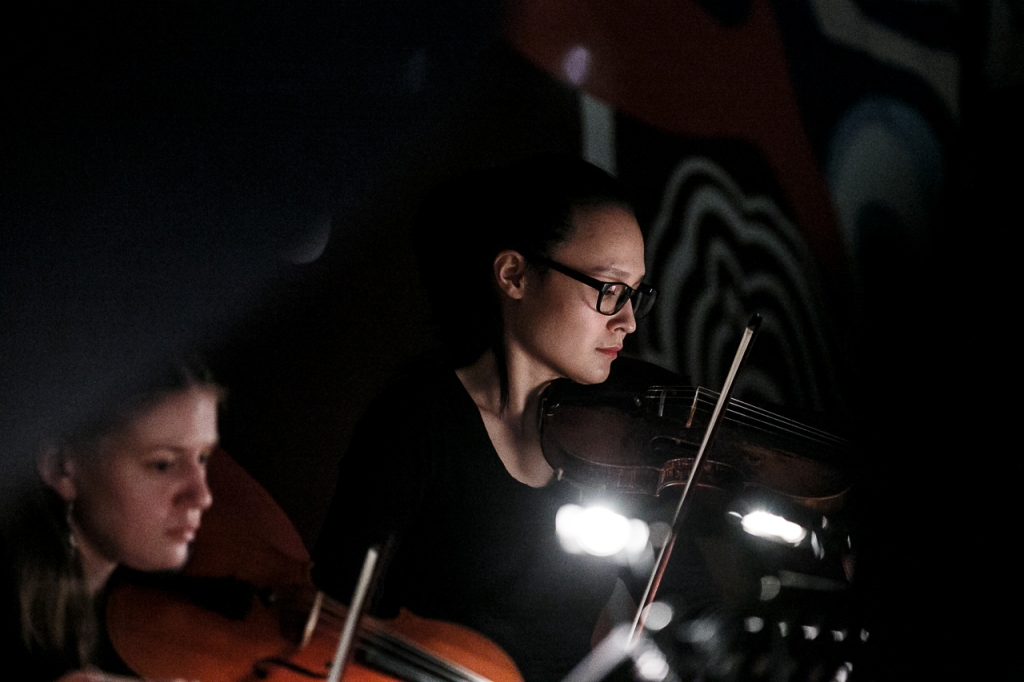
x,y
693,408
314,616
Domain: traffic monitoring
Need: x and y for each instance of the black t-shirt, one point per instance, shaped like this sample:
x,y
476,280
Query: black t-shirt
x,y
473,545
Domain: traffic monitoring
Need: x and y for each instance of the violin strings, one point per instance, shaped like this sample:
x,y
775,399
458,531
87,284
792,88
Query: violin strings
x,y
398,655
756,417
385,644
790,425
769,422
778,427
759,416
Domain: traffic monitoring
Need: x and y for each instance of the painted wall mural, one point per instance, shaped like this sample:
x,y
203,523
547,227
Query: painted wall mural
x,y
717,254
799,152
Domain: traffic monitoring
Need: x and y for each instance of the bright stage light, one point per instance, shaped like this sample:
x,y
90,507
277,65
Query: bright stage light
x,y
599,531
772,527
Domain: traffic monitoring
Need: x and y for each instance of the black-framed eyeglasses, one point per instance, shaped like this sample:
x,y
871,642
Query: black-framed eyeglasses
x,y
611,295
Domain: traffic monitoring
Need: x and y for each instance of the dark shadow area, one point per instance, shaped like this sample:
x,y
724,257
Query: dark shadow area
x,y
244,180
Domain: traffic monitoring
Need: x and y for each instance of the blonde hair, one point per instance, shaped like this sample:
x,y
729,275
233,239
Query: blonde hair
x,y
58,620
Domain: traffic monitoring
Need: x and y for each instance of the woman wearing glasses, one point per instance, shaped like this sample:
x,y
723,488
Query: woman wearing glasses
x,y
127,488
535,273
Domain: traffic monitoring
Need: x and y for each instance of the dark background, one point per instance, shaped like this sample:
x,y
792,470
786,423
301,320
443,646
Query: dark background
x,y
164,167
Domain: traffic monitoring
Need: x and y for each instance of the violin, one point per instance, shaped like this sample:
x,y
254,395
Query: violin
x,y
245,608
647,441
632,438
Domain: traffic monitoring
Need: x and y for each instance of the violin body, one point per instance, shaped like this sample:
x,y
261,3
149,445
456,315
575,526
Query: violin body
x,y
642,441
162,635
240,607
175,637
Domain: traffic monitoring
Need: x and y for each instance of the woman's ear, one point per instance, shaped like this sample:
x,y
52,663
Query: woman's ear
x,y
509,273
58,470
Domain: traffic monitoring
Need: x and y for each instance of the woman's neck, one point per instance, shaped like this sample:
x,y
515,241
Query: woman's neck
x,y
525,384
96,569
513,430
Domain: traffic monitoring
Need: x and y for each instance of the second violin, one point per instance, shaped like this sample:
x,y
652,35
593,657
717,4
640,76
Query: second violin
x,y
246,610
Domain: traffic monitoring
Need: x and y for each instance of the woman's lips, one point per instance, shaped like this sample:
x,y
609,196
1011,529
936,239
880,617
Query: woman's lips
x,y
184,534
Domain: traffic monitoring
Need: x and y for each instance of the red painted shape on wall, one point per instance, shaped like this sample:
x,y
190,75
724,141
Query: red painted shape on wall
x,y
671,65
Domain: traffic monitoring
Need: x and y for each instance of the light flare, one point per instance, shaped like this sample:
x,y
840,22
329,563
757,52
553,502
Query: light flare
x,y
576,64
599,531
651,665
657,616
753,624
765,525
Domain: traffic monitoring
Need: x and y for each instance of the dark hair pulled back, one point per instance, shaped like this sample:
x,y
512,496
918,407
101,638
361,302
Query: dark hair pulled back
x,y
529,207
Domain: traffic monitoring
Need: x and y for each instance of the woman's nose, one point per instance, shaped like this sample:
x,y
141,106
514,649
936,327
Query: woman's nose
x,y
197,493
625,319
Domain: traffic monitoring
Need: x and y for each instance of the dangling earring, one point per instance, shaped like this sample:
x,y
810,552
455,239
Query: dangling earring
x,y
72,541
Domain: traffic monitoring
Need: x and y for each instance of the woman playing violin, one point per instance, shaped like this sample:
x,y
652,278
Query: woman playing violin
x,y
535,272
127,489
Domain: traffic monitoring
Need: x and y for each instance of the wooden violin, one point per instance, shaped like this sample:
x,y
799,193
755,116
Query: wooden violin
x,y
245,608
630,441
643,439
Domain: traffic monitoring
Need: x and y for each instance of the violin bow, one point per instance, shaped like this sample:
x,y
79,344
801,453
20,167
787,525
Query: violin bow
x,y
709,437
355,611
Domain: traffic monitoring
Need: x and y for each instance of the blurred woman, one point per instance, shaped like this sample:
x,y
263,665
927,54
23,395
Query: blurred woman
x,y
535,273
126,489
